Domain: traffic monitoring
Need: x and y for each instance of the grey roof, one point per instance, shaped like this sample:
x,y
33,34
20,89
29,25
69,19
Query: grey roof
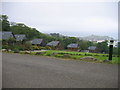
x,y
7,35
20,37
72,45
36,41
53,43
92,47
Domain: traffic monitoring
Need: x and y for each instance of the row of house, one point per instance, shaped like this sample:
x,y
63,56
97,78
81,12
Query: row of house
x,y
55,44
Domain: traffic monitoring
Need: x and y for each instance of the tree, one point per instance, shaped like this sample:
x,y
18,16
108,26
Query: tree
x,y
5,23
102,47
85,44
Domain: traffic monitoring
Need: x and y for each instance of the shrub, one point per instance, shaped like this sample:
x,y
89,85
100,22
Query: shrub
x,y
27,45
16,50
48,48
53,54
40,53
42,48
32,53
21,52
35,47
66,56
5,47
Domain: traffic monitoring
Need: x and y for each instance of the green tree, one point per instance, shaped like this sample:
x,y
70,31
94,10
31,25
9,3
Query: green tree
x,y
5,23
85,44
102,47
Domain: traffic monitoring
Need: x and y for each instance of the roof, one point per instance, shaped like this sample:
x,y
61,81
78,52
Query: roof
x,y
20,37
92,47
72,45
36,41
7,35
53,43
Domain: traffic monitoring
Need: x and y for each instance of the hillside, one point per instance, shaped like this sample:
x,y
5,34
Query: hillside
x,y
95,38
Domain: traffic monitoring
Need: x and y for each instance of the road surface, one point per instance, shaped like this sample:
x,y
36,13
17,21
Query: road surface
x,y
29,71
0,70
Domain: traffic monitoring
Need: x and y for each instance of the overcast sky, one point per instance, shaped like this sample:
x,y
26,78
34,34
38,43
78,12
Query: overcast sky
x,y
67,18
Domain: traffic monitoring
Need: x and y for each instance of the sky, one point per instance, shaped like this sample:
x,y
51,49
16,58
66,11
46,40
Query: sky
x,y
68,18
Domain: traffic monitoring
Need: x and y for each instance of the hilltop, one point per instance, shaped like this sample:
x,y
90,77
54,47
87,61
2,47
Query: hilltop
x,y
96,38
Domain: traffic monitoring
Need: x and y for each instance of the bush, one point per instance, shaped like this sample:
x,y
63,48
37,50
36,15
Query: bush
x,y
42,48
66,56
21,52
16,50
35,47
5,47
32,53
53,54
48,48
40,53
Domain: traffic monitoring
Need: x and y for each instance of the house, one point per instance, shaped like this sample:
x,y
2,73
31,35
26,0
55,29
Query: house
x,y
73,46
55,34
20,37
36,42
7,35
53,44
92,49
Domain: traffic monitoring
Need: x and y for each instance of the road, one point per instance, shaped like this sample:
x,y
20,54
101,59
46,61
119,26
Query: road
x,y
0,70
29,71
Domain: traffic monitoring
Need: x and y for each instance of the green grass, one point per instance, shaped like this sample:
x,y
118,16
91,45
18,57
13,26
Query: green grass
x,y
77,55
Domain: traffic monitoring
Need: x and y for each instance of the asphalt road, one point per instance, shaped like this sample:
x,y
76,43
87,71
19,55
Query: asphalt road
x,y
28,71
0,70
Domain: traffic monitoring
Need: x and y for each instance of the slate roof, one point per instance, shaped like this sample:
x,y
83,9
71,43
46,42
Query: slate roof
x,y
36,41
53,43
20,37
7,35
92,47
72,45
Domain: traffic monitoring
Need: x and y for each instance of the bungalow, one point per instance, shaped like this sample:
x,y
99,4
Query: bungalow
x,y
73,46
92,49
7,35
20,37
36,42
53,44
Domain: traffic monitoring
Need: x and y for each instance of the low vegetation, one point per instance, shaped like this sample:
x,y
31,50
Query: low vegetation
x,y
71,55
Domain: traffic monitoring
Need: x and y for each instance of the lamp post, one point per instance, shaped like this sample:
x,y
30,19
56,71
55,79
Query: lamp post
x,y
111,49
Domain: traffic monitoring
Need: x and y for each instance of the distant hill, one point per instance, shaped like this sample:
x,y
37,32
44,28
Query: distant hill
x,y
95,38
